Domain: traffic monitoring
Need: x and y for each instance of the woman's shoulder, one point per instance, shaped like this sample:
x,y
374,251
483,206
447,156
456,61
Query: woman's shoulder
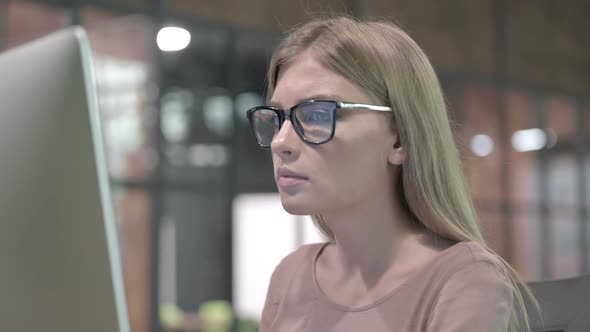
x,y
472,256
470,252
476,279
297,262
303,254
300,257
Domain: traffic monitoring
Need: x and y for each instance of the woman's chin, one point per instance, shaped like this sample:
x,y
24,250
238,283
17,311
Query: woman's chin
x,y
297,205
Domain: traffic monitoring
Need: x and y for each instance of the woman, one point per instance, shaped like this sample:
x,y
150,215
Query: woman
x,y
360,140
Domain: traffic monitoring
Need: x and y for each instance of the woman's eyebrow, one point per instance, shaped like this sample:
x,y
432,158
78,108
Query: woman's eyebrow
x,y
313,97
274,104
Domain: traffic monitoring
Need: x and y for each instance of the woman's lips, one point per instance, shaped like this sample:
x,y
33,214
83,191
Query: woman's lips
x,y
290,181
287,178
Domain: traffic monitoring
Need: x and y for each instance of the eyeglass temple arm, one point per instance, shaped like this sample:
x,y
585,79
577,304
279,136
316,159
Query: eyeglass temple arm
x,y
365,106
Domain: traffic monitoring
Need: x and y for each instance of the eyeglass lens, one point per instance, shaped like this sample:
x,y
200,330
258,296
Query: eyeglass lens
x,y
313,120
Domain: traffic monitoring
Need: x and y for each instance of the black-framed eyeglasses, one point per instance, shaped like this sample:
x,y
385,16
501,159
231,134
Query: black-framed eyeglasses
x,y
314,120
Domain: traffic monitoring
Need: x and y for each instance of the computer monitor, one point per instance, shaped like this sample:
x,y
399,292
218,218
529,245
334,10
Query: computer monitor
x,y
60,266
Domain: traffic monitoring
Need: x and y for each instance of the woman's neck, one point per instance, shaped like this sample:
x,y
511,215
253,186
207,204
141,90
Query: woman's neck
x,y
370,236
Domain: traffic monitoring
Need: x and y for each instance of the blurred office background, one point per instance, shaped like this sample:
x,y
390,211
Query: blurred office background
x,y
200,223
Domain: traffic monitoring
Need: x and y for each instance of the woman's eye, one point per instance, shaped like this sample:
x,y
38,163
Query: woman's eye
x,y
318,116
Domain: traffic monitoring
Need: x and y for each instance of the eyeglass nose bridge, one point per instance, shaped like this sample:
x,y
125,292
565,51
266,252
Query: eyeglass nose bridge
x,y
288,113
285,113
280,134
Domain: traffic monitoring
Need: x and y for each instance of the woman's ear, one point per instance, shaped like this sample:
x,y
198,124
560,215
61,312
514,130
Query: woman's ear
x,y
397,154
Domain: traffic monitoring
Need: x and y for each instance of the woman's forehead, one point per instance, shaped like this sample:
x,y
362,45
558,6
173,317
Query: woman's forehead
x,y
306,79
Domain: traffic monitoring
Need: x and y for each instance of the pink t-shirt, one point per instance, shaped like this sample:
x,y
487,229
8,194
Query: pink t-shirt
x,y
465,288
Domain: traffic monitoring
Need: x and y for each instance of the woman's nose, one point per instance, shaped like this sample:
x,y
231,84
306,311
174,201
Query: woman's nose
x,y
286,141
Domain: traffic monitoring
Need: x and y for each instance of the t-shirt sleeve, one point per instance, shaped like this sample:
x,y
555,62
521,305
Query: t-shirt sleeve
x,y
477,297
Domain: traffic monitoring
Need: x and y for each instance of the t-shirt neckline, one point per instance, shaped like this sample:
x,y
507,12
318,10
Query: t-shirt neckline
x,y
414,277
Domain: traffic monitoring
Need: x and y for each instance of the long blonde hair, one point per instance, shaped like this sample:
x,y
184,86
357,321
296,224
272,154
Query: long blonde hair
x,y
386,63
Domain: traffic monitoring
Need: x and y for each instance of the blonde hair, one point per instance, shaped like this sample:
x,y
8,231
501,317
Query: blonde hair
x,y
386,63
